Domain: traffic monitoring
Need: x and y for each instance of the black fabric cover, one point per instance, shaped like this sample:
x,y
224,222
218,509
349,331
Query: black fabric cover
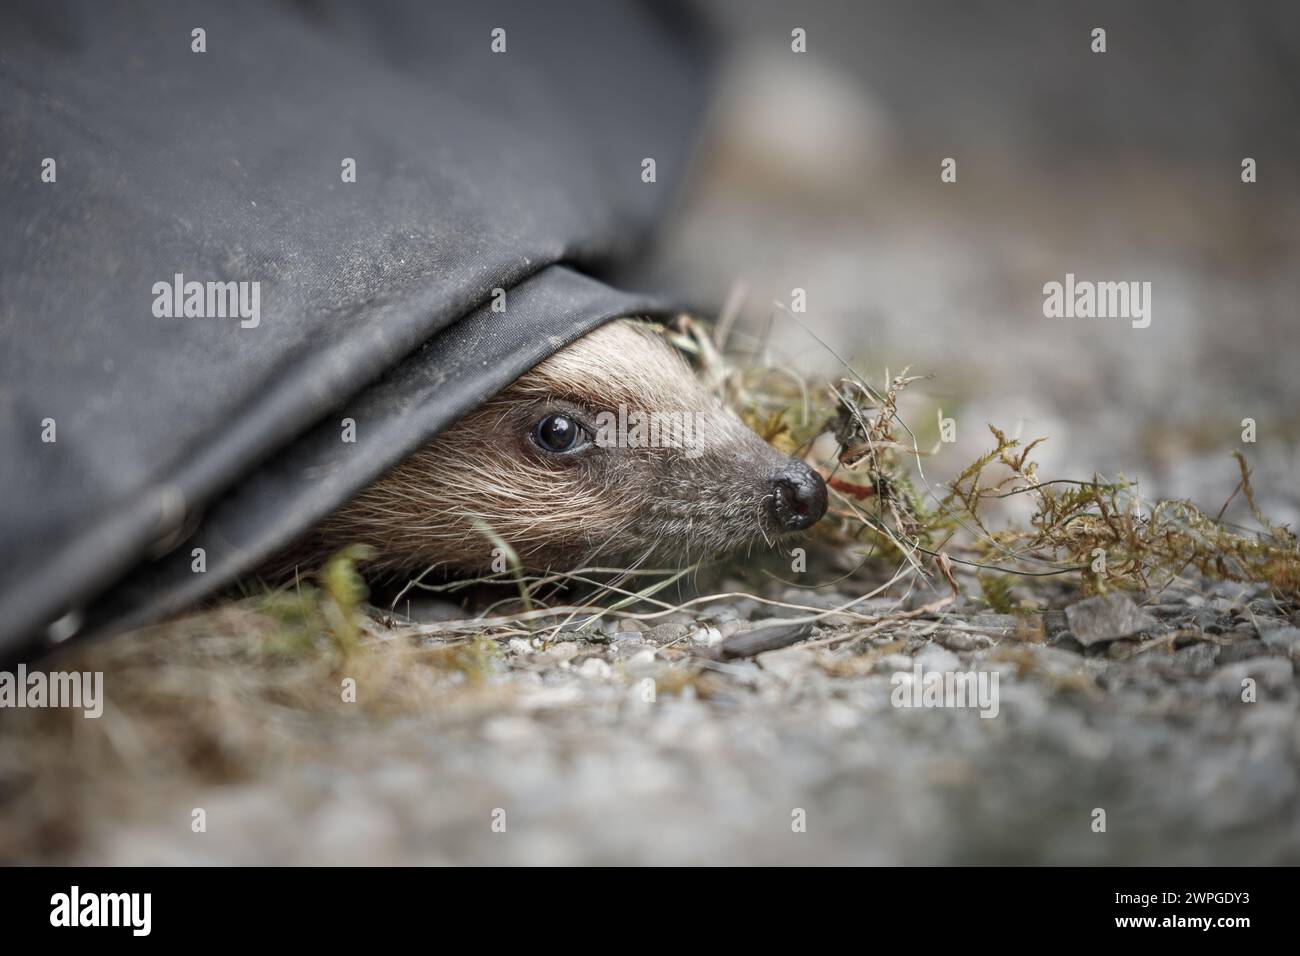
x,y
475,170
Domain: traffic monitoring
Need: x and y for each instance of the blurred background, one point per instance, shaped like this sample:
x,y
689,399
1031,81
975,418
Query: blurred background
x,y
821,171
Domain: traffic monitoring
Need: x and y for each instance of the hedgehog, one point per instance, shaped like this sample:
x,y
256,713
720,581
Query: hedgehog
x,y
611,450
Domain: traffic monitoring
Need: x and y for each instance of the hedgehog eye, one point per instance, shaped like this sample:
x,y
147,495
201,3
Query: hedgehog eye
x,y
558,433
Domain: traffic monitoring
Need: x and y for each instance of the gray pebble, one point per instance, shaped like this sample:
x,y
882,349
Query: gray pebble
x,y
1107,617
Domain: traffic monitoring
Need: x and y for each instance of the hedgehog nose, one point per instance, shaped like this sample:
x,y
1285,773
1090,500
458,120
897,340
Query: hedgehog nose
x,y
798,497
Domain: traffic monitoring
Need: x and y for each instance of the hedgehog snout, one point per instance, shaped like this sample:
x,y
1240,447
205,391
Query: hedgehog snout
x,y
798,497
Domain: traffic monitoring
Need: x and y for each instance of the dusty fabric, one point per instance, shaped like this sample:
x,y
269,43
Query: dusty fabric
x,y
475,171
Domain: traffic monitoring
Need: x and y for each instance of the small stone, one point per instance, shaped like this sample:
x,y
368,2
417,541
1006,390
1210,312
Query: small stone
x,y
666,633
1107,617
642,663
708,636
559,653
1284,638
593,668
1000,623
787,662
1065,641
964,640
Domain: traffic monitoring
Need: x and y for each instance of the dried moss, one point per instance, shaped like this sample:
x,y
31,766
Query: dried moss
x,y
1100,533
996,589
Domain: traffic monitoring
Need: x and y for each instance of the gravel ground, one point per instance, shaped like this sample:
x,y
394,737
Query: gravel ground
x,y
641,746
